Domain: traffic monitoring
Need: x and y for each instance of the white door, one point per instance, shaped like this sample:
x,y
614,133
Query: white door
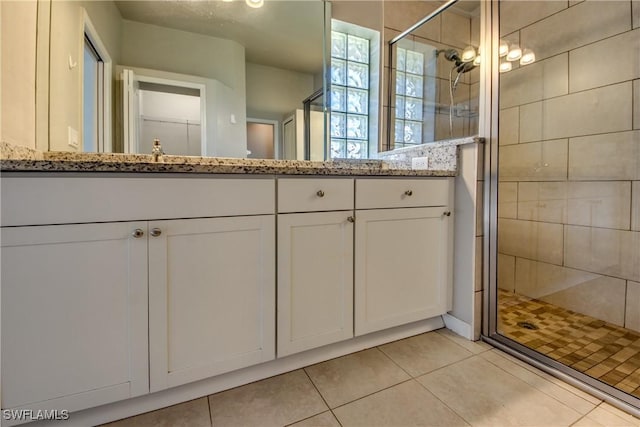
x,y
130,111
402,268
315,280
211,297
74,315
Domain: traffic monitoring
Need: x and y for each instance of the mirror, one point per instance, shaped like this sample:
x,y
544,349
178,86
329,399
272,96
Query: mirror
x,y
211,78
434,70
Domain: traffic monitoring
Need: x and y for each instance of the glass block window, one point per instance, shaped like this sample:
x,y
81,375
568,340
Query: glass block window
x,y
349,128
409,97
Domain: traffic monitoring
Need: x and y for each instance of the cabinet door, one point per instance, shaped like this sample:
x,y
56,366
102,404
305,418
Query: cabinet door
x,y
402,266
74,315
211,297
315,280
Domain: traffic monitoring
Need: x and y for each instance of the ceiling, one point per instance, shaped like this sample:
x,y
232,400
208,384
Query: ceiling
x,y
283,34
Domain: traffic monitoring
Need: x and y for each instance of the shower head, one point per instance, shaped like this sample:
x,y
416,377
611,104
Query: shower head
x,y
452,55
465,67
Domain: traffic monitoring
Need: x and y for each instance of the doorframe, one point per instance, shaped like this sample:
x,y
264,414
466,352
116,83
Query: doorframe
x,y
105,139
277,144
178,83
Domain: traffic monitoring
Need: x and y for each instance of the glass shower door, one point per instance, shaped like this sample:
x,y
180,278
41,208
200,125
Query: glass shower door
x,y
568,188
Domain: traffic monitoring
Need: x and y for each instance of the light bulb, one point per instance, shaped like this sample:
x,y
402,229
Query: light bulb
x,y
255,3
505,66
468,54
504,48
476,60
528,57
515,53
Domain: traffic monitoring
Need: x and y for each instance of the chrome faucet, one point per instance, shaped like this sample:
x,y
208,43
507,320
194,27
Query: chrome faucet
x,y
156,151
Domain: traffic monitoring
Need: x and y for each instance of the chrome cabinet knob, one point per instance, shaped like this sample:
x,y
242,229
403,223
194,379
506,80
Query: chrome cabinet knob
x,y
137,233
351,219
447,213
320,193
408,193
155,232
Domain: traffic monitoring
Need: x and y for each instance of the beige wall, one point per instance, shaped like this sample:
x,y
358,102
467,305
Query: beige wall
x,y
18,72
66,44
273,92
570,159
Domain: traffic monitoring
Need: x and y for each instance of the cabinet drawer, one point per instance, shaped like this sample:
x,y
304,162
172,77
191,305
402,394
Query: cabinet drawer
x,y
309,195
402,193
32,200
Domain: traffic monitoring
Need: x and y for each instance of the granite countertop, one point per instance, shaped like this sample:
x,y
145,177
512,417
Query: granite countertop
x,y
16,158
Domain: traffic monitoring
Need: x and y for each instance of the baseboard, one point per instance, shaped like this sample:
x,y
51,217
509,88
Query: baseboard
x,y
150,402
458,326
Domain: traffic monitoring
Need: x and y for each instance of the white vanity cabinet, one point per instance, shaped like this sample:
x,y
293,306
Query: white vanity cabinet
x,y
105,308
315,263
74,315
403,251
211,297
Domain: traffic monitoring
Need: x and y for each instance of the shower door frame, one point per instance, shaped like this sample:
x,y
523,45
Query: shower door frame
x,y
488,128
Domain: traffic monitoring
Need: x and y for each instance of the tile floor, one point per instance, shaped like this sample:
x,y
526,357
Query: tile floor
x,y
601,350
433,379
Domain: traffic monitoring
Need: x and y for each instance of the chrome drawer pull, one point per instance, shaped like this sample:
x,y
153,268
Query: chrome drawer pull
x,y
155,232
320,193
351,219
408,193
137,233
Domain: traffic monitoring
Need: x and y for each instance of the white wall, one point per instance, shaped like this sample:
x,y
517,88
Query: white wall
x,y
66,41
18,72
275,92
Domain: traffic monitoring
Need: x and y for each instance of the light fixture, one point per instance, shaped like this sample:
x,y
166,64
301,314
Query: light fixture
x,y
255,3
476,60
515,53
505,66
468,54
528,57
504,48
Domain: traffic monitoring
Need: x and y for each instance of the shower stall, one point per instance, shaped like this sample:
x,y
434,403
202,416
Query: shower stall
x,y
563,190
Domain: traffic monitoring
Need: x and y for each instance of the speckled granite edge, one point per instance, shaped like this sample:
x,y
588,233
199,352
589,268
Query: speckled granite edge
x,y
17,152
13,158
443,155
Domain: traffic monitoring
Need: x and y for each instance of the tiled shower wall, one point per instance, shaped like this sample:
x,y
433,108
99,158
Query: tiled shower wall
x,y
569,157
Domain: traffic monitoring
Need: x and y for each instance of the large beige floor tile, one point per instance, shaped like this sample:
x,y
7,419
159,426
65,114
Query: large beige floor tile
x,y
351,377
194,413
607,415
474,347
486,395
406,404
276,401
325,419
424,353
562,395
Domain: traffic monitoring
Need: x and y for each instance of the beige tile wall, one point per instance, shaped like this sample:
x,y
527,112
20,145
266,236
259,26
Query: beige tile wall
x,y
569,158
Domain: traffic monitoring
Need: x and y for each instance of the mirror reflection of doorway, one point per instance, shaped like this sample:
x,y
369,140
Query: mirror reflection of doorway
x,y
262,137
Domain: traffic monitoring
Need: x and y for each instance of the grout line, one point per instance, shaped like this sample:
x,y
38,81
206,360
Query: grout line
x,y
541,377
316,388
444,403
209,406
371,394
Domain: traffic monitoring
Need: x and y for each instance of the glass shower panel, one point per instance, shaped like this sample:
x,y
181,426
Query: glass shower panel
x,y
568,253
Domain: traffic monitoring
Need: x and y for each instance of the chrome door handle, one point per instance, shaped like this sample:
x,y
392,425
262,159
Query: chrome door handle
x,y
137,233
155,232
